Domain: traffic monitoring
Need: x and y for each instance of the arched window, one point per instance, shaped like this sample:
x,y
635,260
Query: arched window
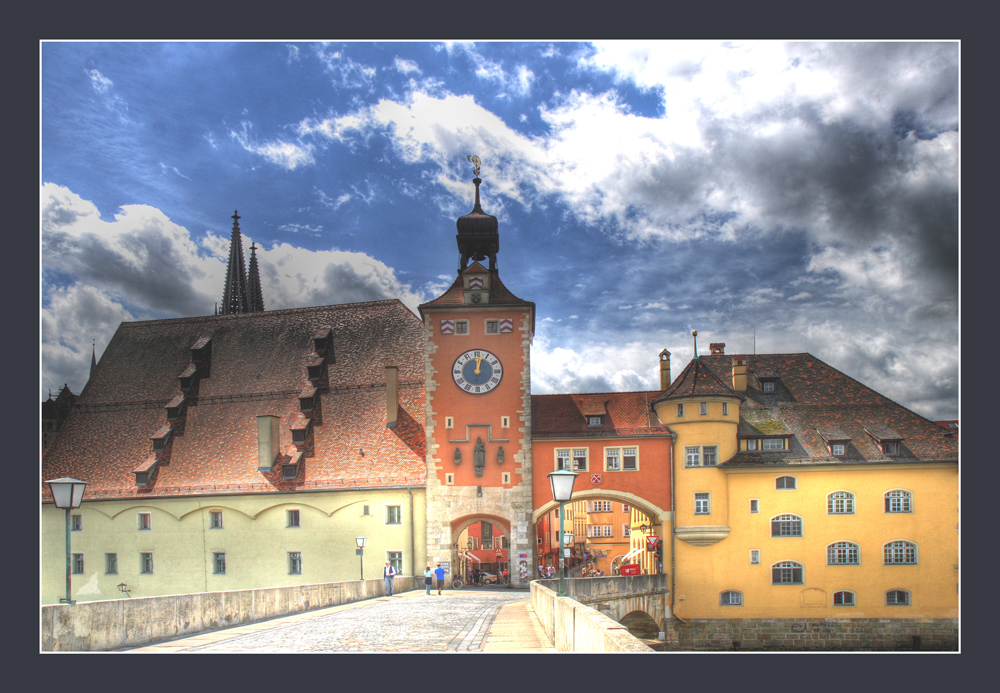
x,y
843,598
840,503
731,598
786,526
786,573
785,482
900,553
897,598
898,501
843,553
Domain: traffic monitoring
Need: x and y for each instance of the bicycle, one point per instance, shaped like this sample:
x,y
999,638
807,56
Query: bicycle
x,y
457,583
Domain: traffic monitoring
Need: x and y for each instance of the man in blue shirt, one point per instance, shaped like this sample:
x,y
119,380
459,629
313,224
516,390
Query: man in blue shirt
x,y
439,572
388,573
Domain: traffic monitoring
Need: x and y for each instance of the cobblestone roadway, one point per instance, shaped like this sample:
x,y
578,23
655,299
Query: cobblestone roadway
x,y
409,622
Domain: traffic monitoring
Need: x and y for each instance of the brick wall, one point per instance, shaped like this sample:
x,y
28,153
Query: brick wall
x,y
813,634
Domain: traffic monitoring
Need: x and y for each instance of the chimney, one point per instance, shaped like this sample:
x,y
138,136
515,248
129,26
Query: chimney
x,y
267,442
391,395
740,373
664,369
717,347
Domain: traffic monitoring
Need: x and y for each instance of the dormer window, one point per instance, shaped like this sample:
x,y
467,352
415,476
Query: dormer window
x,y
890,448
161,437
767,386
201,350
593,421
174,408
321,340
187,377
837,449
314,368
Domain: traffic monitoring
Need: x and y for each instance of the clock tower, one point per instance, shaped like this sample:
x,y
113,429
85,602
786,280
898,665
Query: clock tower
x,y
478,392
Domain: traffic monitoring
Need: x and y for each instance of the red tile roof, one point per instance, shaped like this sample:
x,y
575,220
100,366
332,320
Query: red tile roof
x,y
499,294
697,379
628,414
257,367
813,399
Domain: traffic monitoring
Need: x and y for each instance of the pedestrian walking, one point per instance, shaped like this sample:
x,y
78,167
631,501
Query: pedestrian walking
x,y
428,579
439,573
388,573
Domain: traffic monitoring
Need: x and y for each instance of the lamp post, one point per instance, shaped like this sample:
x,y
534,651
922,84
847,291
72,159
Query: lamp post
x,y
361,552
562,491
67,494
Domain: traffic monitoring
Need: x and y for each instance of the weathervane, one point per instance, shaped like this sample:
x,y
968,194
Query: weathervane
x,y
475,161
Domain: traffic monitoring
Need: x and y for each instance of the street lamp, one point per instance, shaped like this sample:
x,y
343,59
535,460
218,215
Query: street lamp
x,y
67,494
562,491
361,552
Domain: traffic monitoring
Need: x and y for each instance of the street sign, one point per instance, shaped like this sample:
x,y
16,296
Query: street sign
x,y
566,552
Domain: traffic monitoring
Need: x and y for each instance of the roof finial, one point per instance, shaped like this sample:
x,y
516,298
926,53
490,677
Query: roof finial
x,y
694,333
476,162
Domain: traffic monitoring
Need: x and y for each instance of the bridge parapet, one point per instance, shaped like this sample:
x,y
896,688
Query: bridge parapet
x,y
619,595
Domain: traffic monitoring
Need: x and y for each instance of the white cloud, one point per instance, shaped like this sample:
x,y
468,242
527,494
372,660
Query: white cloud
x,y
405,66
288,155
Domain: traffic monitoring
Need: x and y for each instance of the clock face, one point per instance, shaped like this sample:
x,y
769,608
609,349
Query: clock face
x,y
477,371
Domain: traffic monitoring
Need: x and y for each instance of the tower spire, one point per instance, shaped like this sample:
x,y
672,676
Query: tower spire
x,y
255,301
478,237
234,295
93,358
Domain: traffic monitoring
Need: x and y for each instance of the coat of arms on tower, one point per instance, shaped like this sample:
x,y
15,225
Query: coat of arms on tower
x,y
596,478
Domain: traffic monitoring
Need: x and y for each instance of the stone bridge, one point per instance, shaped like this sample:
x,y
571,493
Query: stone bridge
x,y
638,602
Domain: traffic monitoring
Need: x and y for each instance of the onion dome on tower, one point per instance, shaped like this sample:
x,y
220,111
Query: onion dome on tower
x,y
478,232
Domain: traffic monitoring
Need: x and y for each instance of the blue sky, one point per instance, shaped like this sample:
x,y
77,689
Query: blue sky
x,y
796,196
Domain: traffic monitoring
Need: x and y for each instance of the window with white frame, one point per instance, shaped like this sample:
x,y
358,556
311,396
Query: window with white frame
x,y
219,562
837,449
294,562
786,526
785,483
898,501
786,573
897,598
292,518
630,459
612,460
562,460
755,505
449,422
396,559
710,455
77,563
772,444
504,422
730,598
393,515
76,523
890,448
626,508
843,598
754,556
843,553
600,506
594,421
751,443
580,459
900,553
703,504
608,531
145,521
680,411
146,562
692,456
215,519
767,386
626,529
111,563
840,503
703,408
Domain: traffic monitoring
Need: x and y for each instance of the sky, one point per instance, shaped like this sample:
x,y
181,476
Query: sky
x,y
778,197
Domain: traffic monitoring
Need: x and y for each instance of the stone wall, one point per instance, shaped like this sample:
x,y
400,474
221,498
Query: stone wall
x,y
118,623
813,634
573,627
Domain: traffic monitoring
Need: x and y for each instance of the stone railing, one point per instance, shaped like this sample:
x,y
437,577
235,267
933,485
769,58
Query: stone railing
x,y
120,623
574,627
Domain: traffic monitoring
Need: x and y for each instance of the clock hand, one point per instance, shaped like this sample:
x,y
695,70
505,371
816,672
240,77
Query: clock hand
x,y
478,361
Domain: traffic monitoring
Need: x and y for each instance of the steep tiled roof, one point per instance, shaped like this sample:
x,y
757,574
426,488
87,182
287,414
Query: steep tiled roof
x,y
499,294
628,414
697,379
257,367
814,399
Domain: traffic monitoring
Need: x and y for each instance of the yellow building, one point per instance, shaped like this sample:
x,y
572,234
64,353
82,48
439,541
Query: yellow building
x,y
800,493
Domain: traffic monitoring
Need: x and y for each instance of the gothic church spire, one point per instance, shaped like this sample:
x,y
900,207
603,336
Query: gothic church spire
x,y
255,299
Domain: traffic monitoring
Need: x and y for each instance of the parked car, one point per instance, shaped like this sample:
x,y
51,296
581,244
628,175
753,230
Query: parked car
x,y
487,578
